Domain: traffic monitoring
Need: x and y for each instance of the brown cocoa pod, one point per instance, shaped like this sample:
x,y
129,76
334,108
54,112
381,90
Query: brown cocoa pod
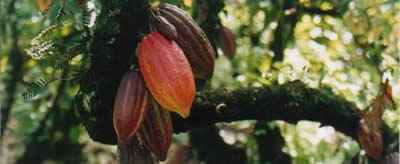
x,y
167,73
164,27
156,131
227,42
192,40
130,107
370,139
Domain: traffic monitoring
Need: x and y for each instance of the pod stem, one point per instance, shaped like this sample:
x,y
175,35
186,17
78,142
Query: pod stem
x,y
152,17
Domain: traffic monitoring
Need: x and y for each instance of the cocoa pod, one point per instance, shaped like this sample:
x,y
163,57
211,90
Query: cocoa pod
x,y
167,73
43,4
227,42
192,40
156,131
130,107
164,27
370,140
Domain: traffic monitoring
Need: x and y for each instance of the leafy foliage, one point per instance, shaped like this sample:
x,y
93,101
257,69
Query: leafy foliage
x,y
38,87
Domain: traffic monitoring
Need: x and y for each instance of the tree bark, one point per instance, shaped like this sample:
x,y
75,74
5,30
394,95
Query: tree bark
x,y
290,102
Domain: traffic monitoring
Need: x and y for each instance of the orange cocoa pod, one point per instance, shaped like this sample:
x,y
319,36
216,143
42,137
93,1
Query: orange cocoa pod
x,y
167,73
130,107
156,131
227,42
43,4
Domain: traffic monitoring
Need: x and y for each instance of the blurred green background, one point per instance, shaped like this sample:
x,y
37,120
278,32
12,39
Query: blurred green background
x,y
348,45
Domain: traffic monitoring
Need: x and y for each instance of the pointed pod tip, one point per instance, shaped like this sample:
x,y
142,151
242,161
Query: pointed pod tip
x,y
183,113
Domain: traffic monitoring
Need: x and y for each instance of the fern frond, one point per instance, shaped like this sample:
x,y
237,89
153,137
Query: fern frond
x,y
40,51
86,16
77,74
36,41
71,51
60,13
37,87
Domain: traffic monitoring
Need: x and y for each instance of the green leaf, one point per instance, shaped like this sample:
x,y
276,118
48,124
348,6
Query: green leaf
x,y
37,87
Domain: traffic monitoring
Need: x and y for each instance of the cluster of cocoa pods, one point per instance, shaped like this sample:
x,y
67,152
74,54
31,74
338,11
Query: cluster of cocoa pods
x,y
177,26
170,58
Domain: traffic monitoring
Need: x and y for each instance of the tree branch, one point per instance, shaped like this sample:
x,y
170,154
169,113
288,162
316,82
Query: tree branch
x,y
313,10
289,102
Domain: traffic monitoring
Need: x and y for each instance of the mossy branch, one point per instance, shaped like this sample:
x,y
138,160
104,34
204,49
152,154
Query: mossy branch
x,y
290,102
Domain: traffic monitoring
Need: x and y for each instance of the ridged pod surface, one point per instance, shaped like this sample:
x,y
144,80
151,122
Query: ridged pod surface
x,y
156,131
130,107
227,42
164,27
192,40
167,73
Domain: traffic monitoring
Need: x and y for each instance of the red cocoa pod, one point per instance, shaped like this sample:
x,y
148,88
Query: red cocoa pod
x,y
156,131
130,107
192,40
227,42
370,140
164,27
167,73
